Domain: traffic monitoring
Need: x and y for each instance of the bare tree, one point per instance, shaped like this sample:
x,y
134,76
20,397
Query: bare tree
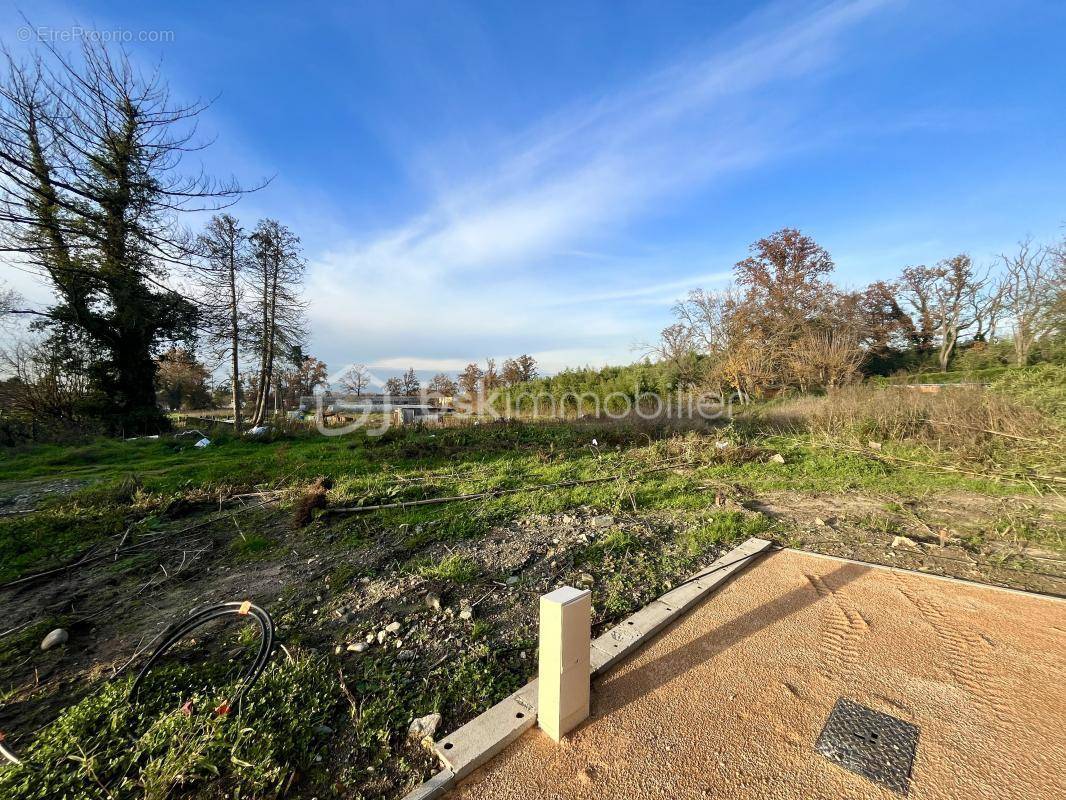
x,y
748,366
355,379
988,309
393,386
305,376
943,301
409,383
490,378
704,316
1033,284
277,271
47,379
676,346
954,289
443,386
916,287
90,192
223,248
470,380
9,301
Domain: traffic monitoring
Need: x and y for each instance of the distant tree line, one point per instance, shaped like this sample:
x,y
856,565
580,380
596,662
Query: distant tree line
x,y
473,381
783,325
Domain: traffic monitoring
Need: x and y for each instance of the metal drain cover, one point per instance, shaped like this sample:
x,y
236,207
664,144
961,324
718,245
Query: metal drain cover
x,y
875,745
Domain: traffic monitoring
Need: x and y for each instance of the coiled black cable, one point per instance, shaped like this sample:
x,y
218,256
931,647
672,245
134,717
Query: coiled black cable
x,y
201,617
180,630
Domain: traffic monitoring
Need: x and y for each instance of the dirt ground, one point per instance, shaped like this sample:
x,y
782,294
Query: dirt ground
x,y
329,594
730,701
1012,541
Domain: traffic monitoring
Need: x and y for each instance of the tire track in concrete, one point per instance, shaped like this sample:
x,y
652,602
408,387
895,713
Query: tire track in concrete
x,y
843,629
969,652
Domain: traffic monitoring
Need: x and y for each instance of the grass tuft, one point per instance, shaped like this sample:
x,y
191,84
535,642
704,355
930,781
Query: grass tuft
x,y
454,568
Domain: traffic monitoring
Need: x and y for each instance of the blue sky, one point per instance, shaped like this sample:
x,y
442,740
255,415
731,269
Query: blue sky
x,y
491,178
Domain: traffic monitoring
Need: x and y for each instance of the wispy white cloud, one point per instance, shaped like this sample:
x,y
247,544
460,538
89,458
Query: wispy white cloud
x,y
484,258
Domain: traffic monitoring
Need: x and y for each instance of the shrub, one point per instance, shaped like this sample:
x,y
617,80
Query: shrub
x,y
1042,387
963,417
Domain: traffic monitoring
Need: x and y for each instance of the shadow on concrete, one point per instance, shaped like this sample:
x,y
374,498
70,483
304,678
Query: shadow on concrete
x,y
616,693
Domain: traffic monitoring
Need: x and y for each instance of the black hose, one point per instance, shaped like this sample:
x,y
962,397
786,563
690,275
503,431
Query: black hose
x,y
180,630
201,617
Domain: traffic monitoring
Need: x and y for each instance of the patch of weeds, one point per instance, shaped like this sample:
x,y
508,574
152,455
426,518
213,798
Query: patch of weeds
x,y
1022,530
103,747
133,563
723,528
881,524
483,676
454,568
343,575
630,570
48,537
118,492
252,545
480,630
617,541
15,646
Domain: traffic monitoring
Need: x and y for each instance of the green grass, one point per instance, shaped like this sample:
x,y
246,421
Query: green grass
x,y
630,570
411,464
982,375
52,536
104,747
721,529
454,568
252,545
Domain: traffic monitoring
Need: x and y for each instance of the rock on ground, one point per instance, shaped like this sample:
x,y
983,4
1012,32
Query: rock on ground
x,y
54,639
424,727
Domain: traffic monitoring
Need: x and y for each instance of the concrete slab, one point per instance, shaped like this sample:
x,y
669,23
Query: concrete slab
x,y
729,702
488,734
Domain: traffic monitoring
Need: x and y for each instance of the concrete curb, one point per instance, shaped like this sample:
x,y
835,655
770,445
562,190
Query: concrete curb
x,y
486,735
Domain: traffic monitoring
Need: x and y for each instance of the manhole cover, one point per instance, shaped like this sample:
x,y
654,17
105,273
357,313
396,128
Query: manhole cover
x,y
875,745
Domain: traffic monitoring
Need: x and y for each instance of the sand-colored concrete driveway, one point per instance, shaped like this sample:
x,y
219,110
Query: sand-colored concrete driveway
x,y
730,701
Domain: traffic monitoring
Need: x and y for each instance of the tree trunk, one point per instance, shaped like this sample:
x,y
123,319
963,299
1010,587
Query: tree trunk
x,y
264,378
234,344
270,299
947,347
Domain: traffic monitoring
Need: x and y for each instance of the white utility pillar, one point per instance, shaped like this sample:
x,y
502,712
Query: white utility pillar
x,y
565,634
